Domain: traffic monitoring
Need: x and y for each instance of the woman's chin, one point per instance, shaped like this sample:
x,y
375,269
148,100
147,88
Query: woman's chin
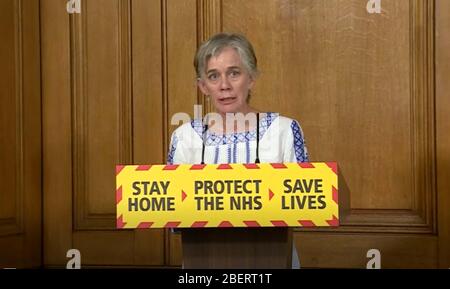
x,y
232,108
224,109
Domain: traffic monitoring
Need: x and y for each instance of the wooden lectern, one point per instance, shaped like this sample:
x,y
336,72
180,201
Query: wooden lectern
x,y
237,248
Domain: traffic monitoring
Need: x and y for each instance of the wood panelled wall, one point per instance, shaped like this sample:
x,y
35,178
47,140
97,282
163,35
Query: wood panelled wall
x,y
20,135
370,91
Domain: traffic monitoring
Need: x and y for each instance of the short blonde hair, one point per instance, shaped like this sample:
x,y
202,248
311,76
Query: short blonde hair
x,y
214,45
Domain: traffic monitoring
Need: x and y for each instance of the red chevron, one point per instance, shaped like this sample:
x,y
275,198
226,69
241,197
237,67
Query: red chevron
x,y
306,165
279,223
333,167
172,224
225,224
143,167
224,167
333,222
119,195
199,224
197,167
271,194
170,167
183,195
120,223
252,224
335,194
278,166
307,223
144,225
251,166
119,169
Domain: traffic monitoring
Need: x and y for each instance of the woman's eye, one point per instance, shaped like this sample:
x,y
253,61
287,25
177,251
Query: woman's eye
x,y
212,76
235,73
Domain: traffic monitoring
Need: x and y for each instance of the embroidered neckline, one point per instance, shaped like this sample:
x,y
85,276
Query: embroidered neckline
x,y
213,139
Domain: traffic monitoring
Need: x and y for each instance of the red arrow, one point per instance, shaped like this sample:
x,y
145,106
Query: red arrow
x,y
271,194
183,195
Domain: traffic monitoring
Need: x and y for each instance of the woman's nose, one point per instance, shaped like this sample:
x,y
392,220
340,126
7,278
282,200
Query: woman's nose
x,y
224,83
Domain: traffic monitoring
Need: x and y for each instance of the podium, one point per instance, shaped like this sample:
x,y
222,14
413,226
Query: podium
x,y
231,216
237,248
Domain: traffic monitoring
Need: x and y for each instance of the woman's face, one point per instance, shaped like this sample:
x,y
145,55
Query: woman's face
x,y
227,82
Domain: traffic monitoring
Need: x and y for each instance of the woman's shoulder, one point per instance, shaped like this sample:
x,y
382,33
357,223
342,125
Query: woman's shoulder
x,y
284,121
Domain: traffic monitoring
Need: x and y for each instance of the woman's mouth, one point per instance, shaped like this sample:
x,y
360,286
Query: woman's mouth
x,y
227,100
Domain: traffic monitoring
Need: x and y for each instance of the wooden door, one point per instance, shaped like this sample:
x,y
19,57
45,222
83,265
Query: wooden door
x,y
20,135
360,84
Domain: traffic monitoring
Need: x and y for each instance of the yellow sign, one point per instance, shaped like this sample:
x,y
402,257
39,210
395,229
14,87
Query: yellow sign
x,y
227,195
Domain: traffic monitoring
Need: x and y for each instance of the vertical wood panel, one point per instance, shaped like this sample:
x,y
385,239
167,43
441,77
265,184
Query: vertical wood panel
x,y
102,107
10,114
98,109
181,46
148,114
57,132
20,141
443,127
32,136
209,22
179,76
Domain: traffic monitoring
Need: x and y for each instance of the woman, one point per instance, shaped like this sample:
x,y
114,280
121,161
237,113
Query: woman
x,y
226,68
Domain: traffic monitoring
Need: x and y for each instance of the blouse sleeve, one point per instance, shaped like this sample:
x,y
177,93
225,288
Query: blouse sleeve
x,y
295,148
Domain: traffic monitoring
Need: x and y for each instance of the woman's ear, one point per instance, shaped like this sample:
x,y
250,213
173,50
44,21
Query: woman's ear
x,y
251,82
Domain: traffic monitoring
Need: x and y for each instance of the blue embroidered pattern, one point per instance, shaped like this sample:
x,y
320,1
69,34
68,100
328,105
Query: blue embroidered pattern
x,y
301,153
173,147
235,152
214,139
247,153
216,157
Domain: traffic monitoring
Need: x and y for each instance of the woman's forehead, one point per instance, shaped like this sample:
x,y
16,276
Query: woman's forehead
x,y
226,58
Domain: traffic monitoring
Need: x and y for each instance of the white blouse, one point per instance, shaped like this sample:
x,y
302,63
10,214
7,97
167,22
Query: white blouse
x,y
281,140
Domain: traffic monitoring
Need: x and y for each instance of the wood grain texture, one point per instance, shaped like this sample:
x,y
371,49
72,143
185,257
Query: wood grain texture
x,y
148,112
57,133
328,64
100,108
11,112
443,128
331,250
361,85
346,76
180,44
20,140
